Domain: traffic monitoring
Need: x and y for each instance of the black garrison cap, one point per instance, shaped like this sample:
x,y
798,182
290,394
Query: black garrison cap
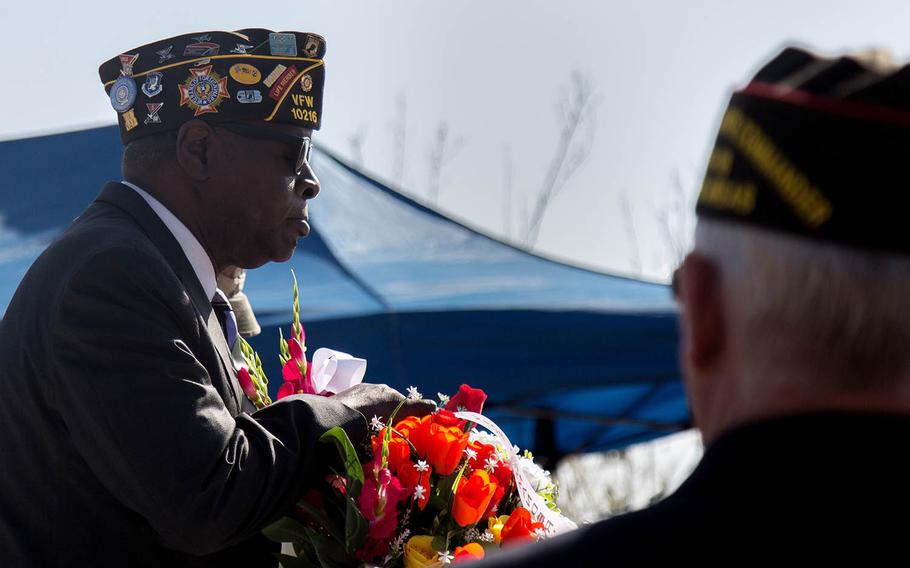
x,y
247,75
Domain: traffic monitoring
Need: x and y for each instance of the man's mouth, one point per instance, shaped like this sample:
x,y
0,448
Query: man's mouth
x,y
302,224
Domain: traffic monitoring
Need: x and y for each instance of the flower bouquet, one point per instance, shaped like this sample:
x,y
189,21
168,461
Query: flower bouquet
x,y
445,488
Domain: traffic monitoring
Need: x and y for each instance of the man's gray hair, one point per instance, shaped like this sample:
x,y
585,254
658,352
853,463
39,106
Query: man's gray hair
x,y
836,317
149,153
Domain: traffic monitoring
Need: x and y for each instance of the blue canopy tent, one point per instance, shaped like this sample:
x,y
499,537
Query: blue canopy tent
x,y
572,360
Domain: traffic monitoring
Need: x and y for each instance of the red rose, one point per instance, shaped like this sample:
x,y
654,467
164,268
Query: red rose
x,y
467,398
519,528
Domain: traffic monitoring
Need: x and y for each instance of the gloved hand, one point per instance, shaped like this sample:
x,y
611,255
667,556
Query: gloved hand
x,y
381,400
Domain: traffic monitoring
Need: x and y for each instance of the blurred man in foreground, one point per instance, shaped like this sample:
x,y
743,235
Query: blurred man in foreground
x,y
795,324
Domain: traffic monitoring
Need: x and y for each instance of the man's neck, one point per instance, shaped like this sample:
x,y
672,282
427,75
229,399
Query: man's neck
x,y
193,247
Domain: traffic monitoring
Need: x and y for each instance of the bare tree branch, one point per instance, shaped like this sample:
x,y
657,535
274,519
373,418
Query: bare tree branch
x,y
441,152
674,221
578,110
399,138
629,218
355,144
507,170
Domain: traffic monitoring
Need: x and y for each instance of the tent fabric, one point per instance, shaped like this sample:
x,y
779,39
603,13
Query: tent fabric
x,y
572,359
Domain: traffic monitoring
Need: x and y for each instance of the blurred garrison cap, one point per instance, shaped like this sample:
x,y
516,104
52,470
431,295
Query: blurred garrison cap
x,y
817,147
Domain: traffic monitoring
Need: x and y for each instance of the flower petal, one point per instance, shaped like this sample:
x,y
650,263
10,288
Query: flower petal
x,y
295,349
286,389
291,371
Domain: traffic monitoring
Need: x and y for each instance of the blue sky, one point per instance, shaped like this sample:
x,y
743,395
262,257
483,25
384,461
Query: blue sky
x,y
493,72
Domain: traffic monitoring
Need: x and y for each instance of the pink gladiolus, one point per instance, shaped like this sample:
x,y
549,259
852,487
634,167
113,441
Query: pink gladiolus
x,y
287,389
295,349
379,504
296,372
246,383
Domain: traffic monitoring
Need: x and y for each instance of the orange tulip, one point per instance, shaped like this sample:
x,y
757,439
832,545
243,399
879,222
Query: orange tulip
x,y
473,497
399,450
468,552
446,447
405,425
416,431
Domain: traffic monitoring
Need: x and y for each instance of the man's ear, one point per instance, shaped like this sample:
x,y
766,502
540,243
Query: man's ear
x,y
194,146
704,319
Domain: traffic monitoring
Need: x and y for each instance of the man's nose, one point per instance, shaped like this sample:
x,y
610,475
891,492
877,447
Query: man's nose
x,y
307,184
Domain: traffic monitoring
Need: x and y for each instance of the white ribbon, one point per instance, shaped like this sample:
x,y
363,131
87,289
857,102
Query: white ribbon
x,y
336,371
553,522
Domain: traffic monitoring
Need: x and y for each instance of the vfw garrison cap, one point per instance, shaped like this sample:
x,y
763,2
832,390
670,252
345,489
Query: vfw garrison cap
x,y
246,75
816,147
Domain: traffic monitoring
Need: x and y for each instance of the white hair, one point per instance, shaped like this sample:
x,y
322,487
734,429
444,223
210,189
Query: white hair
x,y
823,315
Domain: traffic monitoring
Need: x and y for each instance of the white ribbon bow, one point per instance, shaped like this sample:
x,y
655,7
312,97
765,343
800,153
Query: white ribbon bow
x,y
336,371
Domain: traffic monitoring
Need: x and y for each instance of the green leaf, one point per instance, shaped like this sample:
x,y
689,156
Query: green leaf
x,y
330,553
439,543
285,529
321,518
449,484
353,469
355,528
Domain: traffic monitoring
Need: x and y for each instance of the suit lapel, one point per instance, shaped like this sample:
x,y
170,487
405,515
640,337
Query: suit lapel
x,y
131,202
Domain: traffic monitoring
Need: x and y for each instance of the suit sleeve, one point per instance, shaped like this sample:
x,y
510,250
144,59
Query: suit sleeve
x,y
144,415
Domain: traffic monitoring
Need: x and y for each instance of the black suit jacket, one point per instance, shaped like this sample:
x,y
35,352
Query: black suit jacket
x,y
122,440
807,490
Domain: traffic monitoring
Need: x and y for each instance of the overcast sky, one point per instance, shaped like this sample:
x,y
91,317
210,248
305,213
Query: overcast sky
x,y
493,72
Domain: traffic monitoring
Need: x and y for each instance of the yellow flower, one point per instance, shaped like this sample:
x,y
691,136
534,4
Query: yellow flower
x,y
495,525
419,553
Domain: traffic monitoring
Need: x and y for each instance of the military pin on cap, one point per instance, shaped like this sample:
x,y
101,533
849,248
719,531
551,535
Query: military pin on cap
x,y
283,44
152,85
126,64
123,93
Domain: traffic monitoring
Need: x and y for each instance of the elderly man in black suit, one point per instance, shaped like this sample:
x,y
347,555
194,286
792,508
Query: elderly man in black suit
x,y
795,326
123,436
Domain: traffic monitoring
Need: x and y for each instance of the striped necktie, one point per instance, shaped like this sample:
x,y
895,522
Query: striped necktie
x,y
226,317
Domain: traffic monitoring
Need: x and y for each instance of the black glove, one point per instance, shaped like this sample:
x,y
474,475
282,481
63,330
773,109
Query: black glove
x,y
381,400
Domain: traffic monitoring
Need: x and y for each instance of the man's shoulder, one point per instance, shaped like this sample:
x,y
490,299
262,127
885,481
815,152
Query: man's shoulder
x,y
101,236
104,245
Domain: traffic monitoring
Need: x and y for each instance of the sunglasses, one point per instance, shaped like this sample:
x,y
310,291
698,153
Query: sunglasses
x,y
304,143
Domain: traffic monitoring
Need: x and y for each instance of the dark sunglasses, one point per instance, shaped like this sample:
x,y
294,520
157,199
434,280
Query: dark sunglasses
x,y
304,143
